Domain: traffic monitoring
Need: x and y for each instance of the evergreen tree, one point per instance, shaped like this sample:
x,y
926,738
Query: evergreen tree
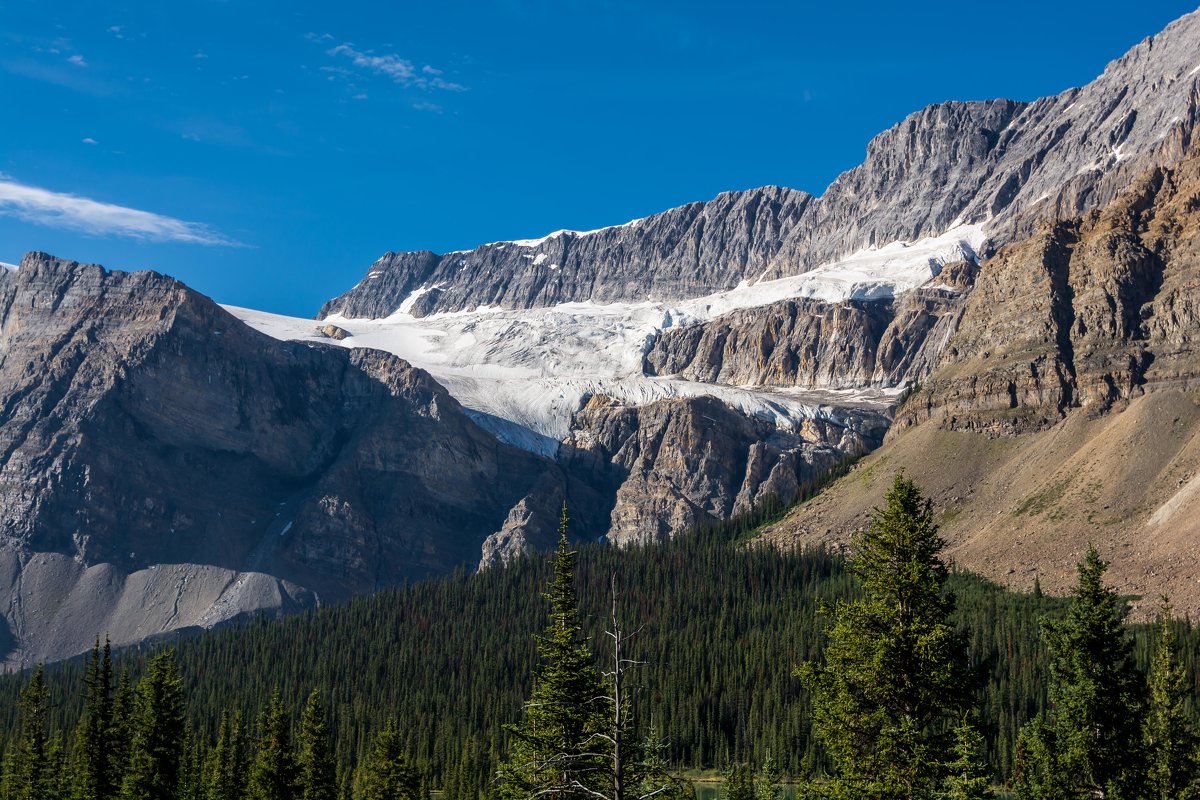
x,y
225,769
896,675
93,773
968,774
156,749
389,776
34,767
560,747
120,731
1170,737
274,774
766,785
1089,744
318,770
739,783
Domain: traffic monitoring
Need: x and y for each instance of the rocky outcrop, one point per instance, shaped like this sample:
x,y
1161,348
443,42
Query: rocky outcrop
x,y
1001,164
1064,411
816,345
142,425
1086,314
682,463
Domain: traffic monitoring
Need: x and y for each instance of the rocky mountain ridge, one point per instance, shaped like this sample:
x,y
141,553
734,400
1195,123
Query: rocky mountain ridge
x,y
1063,410
1002,164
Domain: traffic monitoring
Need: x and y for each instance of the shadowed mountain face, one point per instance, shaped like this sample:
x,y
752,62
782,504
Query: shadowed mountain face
x,y
142,425
1000,164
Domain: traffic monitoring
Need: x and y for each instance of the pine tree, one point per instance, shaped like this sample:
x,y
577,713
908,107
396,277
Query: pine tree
x,y
318,770
1089,743
34,768
93,773
1170,737
156,750
896,677
274,773
560,746
388,774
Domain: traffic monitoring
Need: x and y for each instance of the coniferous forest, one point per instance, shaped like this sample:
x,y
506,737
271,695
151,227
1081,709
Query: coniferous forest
x,y
738,657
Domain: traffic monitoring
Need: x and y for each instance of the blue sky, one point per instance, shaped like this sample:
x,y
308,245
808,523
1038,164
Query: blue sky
x,y
267,152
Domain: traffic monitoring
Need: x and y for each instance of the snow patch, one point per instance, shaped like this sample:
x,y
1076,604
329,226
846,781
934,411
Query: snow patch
x,y
8,267
416,294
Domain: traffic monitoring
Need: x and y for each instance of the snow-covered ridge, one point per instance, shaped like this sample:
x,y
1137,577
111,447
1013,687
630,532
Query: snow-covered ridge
x,y
556,234
8,267
526,372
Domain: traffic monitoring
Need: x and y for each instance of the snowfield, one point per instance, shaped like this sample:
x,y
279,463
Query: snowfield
x,y
524,373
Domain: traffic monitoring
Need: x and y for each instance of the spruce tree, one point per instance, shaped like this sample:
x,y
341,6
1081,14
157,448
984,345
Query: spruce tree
x,y
1088,744
93,772
1170,737
34,776
225,769
560,747
318,770
156,749
896,676
389,776
967,778
274,774
120,732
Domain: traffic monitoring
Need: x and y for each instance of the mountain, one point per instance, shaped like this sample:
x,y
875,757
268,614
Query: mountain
x,y
1000,298
1064,408
162,465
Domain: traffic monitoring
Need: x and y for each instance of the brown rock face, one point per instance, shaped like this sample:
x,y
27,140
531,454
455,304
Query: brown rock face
x,y
141,424
1086,314
1065,408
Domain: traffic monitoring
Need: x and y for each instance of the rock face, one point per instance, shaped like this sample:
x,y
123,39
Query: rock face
x,y
1064,410
681,463
815,345
143,425
1001,164
1086,314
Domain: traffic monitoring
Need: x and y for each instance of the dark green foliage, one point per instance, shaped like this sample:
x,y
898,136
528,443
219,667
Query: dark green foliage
x,y
93,772
722,625
896,673
389,776
1089,742
1170,736
34,768
559,747
274,774
155,752
225,769
318,769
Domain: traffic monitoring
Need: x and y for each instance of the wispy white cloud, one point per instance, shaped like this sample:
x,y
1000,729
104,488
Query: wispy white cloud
x,y
89,140
398,70
77,60
72,212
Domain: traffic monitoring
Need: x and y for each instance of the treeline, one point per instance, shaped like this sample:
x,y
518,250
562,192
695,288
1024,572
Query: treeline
x,y
449,661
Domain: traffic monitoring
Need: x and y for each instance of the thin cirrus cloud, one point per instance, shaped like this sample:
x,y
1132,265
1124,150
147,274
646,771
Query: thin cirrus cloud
x,y
84,215
398,70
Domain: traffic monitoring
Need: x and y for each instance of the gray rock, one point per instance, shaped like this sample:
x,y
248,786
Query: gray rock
x,y
142,425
